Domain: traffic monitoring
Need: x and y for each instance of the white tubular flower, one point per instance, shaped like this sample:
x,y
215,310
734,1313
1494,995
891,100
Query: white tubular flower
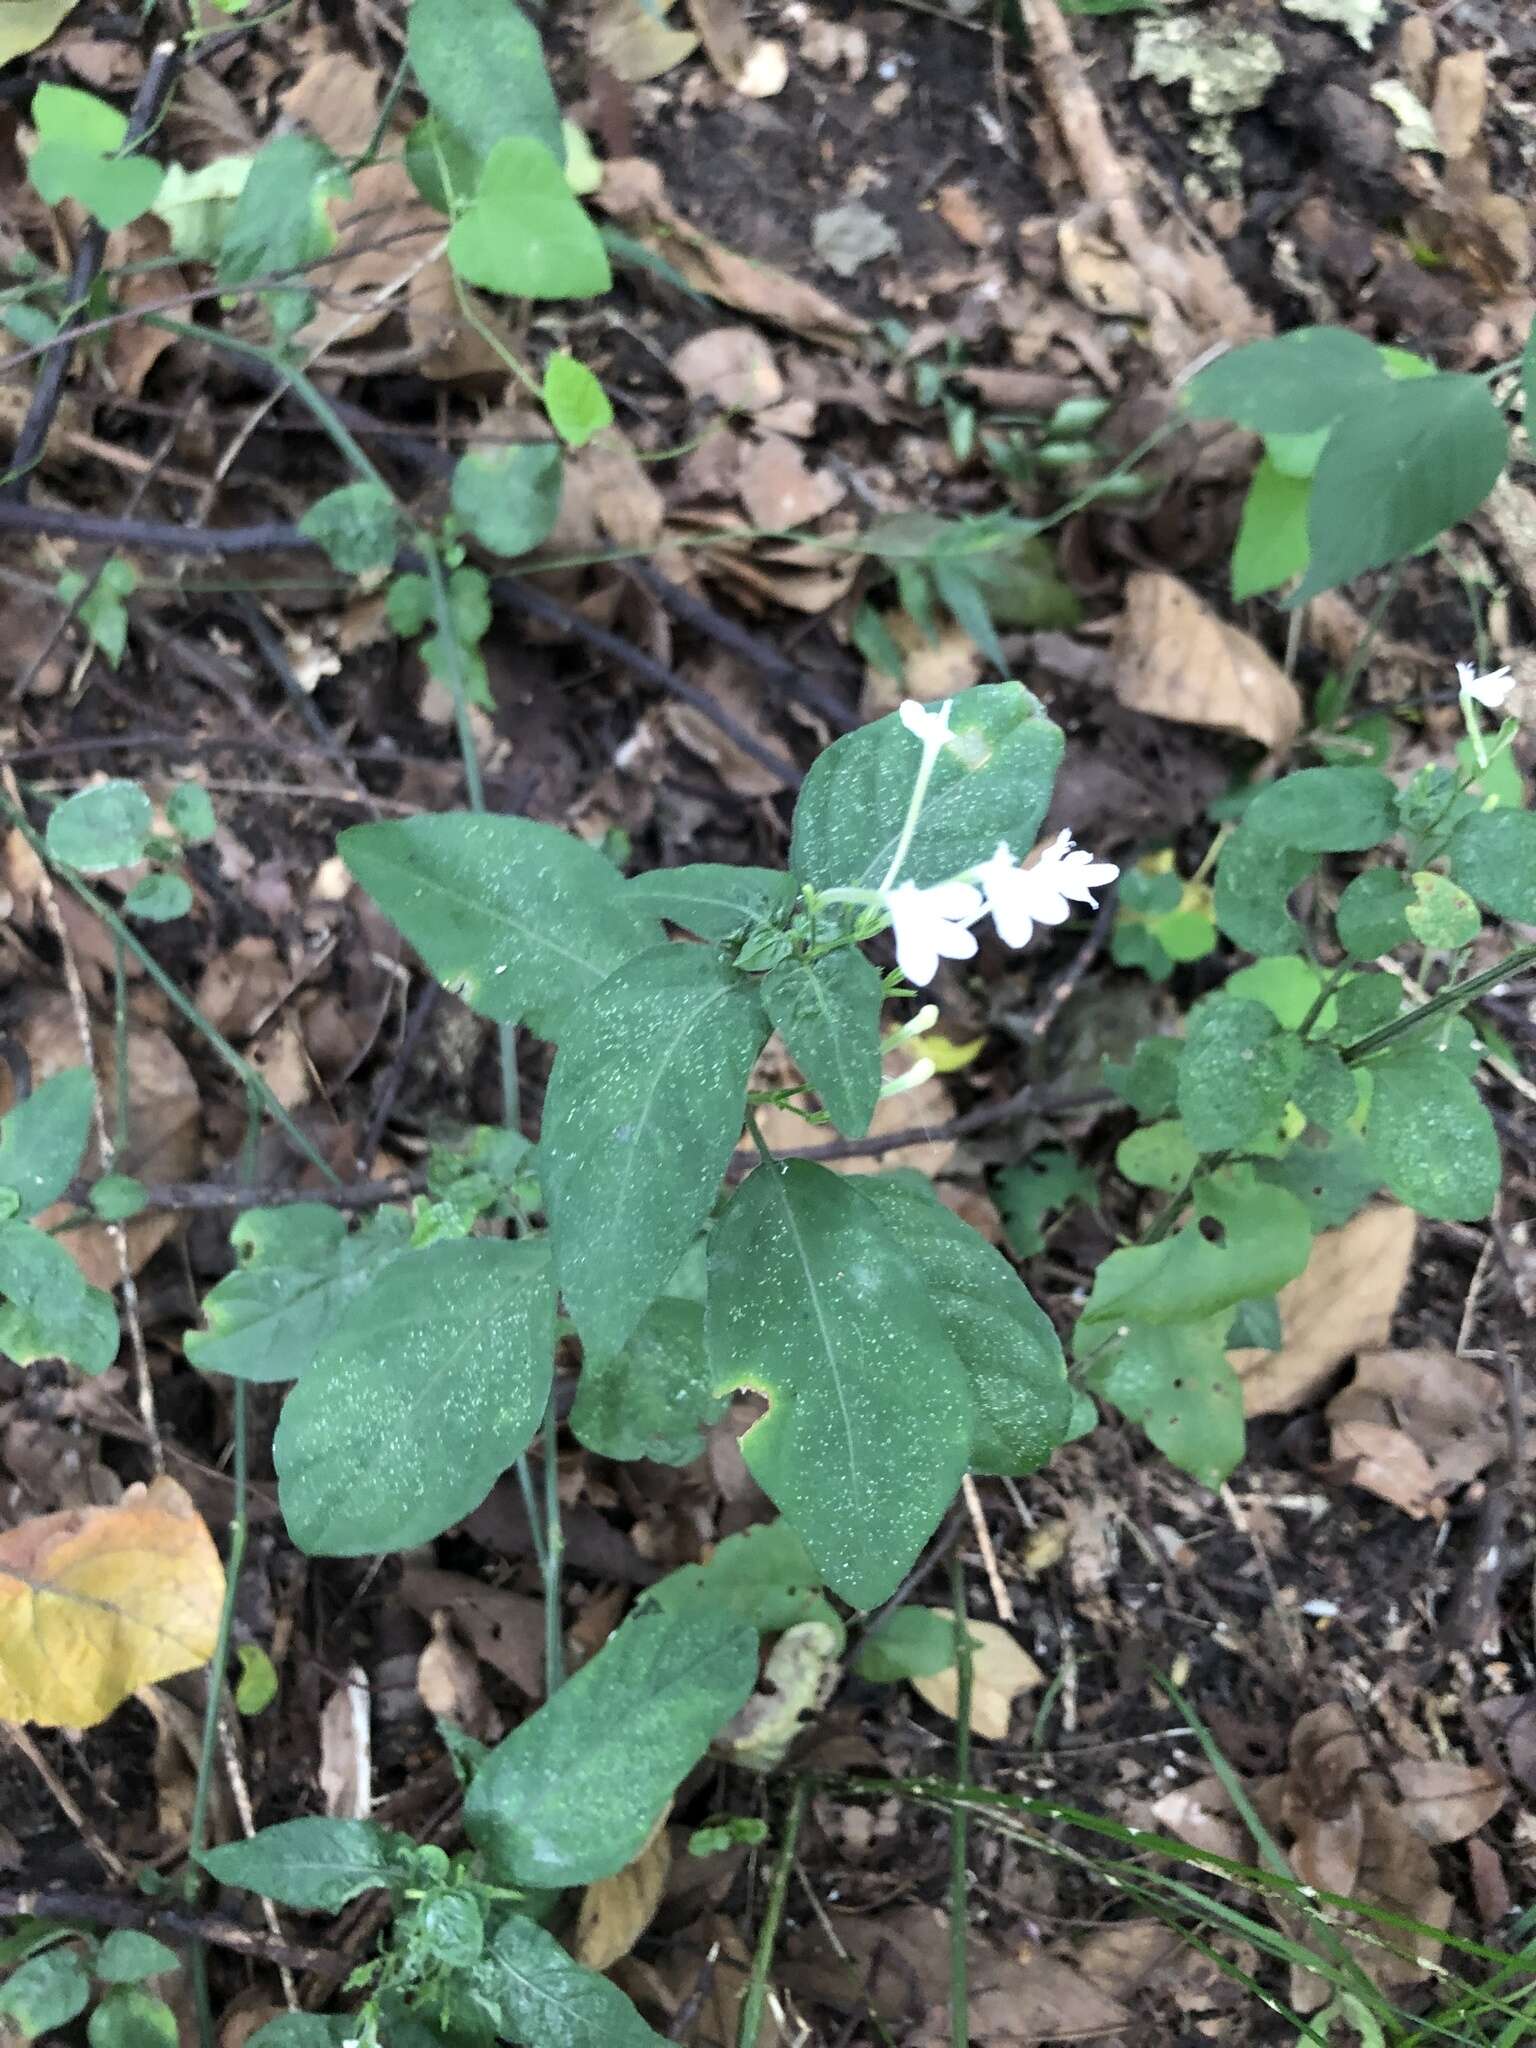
x,y
919,1072
1490,689
931,925
1019,898
931,727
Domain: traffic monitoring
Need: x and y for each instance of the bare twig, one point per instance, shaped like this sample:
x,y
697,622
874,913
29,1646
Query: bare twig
x,y
104,1909
1000,1597
103,1851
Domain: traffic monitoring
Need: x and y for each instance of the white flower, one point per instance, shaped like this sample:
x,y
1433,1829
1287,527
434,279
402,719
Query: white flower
x,y
931,727
1490,689
931,925
1019,898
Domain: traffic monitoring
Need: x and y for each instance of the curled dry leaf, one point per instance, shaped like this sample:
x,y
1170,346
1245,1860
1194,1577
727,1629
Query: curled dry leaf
x,y
1203,1815
799,1678
1174,658
1002,1670
778,489
1098,274
1445,1800
634,40
736,768
757,70
96,1602
505,1630
615,1911
633,194
346,1749
1342,1303
1413,1426
732,365
963,214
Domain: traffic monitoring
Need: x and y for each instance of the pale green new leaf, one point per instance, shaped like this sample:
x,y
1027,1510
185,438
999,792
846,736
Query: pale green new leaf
x,y
43,1139
541,1995
300,1268
644,1107
525,233
50,1310
1245,1239
814,1303
577,405
1006,1345
572,1793
411,1413
519,918
827,1012
991,783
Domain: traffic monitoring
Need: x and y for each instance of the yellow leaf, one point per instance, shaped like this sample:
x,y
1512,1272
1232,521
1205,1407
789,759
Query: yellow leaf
x,y
26,23
1001,1669
947,1057
95,1602
615,1911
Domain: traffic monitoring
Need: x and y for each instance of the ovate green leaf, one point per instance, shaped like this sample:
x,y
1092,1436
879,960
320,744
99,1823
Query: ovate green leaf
x,y
1493,857
813,1302
541,1995
316,1865
525,233
50,1310
827,1012
1236,1073
1292,385
644,1107
655,1397
509,498
576,403
1326,810
1244,1239
358,526
1254,880
481,65
1174,1379
1431,1138
1371,918
43,1139
410,1414
99,829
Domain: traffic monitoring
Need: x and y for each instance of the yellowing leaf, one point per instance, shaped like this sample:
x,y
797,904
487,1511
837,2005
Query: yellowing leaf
x,y
615,1911
24,24
96,1602
947,1057
1001,1669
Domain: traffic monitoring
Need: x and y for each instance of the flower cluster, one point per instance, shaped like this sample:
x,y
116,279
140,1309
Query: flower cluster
x,y
937,923
1491,689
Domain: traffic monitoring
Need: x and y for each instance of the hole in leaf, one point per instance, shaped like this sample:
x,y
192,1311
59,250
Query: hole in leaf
x,y
1212,1231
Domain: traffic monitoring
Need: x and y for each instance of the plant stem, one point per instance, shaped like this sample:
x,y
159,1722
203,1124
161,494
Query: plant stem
x,y
959,1877
119,1045
554,1550
1454,997
762,1960
458,680
1362,653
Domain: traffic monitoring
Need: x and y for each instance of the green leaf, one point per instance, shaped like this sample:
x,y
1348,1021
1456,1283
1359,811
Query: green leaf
x,y
1256,1326
914,1642
413,1410
198,206
541,1995
359,527
572,1793
62,113
576,403
1174,1380
1287,986
1430,1137
509,497
441,164
1271,544
409,603
1293,385
117,1196
525,233
46,1992
316,1865
763,1576
281,223
1441,915
1366,1001
311,2030
1326,810
256,1688
481,65
1245,1239
715,902
190,812
159,898
1236,1074
132,2019
1371,918
644,1108
1158,1156
519,918
1150,1084
50,1310
992,782
827,1012
1326,1091
1037,1187
655,1397
43,1139
813,1302
1005,1342
128,1957
102,828
299,1271
1400,468
1493,857
1528,372
115,190
1254,880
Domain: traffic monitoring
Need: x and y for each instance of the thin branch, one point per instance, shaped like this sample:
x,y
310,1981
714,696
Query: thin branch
x,y
160,72
103,1909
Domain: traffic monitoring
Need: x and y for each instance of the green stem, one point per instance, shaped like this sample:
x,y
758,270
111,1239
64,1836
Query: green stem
x,y
554,1550
762,1961
458,677
1320,1000
119,1045
1455,997
959,1875
250,1079
1362,653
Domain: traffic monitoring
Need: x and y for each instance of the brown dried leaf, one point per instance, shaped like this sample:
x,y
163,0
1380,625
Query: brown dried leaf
x,y
1002,1670
634,40
1174,658
1030,1996
1446,1410
1342,1303
1387,1462
451,1687
1461,101
1098,274
941,667
963,214
1444,1800
732,365
615,1911
505,1630
757,70
741,774
1203,1815
779,490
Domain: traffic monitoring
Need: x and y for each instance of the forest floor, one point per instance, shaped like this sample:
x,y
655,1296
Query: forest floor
x,y
933,233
